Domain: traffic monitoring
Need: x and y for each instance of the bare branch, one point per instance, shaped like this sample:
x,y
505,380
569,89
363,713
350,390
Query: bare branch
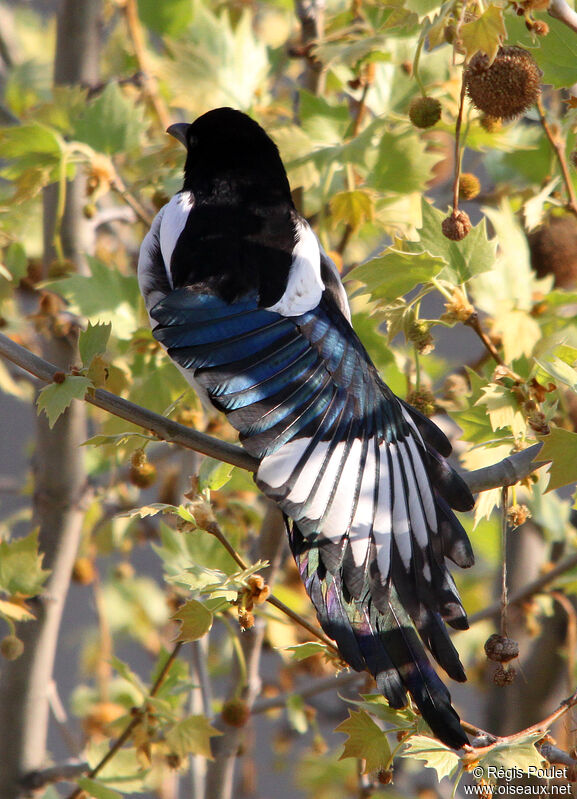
x,y
564,13
61,772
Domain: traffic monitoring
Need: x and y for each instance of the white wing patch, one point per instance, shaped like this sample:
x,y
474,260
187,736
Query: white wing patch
x,y
148,264
394,499
173,222
304,287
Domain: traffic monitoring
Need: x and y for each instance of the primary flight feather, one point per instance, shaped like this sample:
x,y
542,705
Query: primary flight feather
x,y
253,311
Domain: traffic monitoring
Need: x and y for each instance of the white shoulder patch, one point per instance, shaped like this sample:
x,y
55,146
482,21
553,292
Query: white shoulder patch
x,y
173,222
148,262
304,287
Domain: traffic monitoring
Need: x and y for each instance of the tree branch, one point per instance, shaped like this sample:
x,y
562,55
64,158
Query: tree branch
x,y
563,12
568,563
507,472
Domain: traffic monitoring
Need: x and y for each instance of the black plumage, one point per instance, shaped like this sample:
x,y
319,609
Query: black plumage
x,y
249,306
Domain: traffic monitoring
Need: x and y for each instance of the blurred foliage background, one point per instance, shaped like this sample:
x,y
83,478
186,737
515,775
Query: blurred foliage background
x,y
478,329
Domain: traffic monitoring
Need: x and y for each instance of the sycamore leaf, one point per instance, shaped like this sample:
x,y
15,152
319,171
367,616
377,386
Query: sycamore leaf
x,y
519,754
214,474
503,409
56,397
436,755
519,331
21,569
366,740
93,341
296,714
486,33
111,123
378,706
15,611
195,619
169,18
353,208
560,371
560,447
96,790
304,651
192,737
15,263
148,510
395,273
404,163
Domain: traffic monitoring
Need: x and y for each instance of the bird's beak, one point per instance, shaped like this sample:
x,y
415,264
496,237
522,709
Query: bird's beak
x,y
178,130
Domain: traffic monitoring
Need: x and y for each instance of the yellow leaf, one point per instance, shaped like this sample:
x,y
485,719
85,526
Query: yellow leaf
x,y
192,736
503,409
519,331
366,740
352,207
486,33
15,611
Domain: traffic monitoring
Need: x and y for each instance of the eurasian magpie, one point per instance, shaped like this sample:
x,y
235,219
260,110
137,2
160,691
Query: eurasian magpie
x,y
253,311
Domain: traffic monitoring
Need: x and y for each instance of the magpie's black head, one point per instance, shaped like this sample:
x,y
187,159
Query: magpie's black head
x,y
229,151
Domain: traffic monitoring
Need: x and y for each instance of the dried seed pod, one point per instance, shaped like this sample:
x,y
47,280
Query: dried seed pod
x,y
424,112
504,676
456,226
501,649
507,87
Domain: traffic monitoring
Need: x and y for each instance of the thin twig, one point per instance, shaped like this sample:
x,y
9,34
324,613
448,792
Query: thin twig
x,y
532,588
475,325
559,147
118,185
136,37
134,721
458,124
504,528
342,680
214,529
508,471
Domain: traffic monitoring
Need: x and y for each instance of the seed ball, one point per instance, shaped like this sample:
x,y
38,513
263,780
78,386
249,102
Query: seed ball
x,y
491,124
456,226
11,647
507,87
424,112
501,649
83,571
235,713
469,186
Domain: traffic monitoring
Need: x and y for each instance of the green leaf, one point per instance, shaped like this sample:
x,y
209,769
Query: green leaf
x,y
296,714
111,123
169,17
471,256
376,704
192,737
560,371
485,33
520,754
436,755
395,273
195,619
56,397
97,790
93,341
404,163
556,53
105,296
15,262
560,447
365,740
304,651
21,569
214,474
